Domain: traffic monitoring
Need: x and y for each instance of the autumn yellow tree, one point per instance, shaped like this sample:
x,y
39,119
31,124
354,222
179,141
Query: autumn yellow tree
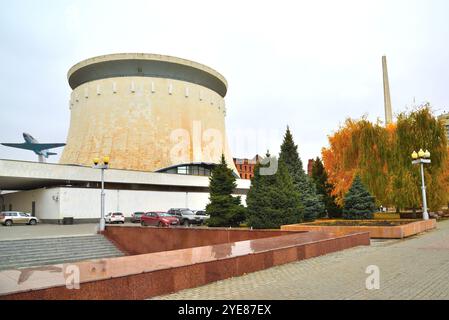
x,y
339,165
381,157
415,130
358,147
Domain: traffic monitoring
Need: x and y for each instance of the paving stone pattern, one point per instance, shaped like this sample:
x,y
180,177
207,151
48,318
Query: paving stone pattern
x,y
414,268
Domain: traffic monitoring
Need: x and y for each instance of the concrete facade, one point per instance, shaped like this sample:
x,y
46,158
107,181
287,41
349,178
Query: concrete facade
x,y
60,191
25,175
144,120
52,205
46,208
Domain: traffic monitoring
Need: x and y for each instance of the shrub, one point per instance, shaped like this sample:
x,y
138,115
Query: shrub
x,y
359,204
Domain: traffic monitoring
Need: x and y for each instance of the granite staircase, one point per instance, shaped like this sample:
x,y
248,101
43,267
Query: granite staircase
x,y
47,251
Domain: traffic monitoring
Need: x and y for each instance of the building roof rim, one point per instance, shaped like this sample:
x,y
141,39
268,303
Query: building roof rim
x,y
145,56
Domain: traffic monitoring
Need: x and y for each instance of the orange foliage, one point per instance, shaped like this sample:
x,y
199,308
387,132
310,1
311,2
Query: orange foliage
x,y
340,172
373,152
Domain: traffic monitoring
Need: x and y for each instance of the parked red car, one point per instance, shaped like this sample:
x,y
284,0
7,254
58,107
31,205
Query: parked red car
x,y
160,219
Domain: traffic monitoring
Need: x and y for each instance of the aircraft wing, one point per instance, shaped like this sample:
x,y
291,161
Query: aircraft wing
x,y
34,146
26,146
46,146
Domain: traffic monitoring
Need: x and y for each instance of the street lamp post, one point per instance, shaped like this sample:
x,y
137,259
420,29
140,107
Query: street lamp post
x,y
103,166
422,158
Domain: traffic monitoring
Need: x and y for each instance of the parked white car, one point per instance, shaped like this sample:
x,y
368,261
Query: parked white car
x,y
115,217
8,218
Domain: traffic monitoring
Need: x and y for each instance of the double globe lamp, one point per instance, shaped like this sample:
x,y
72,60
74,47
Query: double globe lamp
x,y
422,157
103,166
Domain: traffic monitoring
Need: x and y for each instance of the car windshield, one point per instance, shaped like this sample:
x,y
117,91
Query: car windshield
x,y
163,214
201,213
138,213
188,212
118,214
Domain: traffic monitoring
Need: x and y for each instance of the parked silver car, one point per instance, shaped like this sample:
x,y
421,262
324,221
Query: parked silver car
x,y
202,214
186,216
8,218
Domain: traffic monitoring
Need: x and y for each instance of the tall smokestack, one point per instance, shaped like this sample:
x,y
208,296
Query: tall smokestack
x,y
387,98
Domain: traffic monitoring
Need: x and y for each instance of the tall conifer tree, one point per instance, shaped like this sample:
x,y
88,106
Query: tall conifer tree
x,y
324,188
312,202
224,209
273,200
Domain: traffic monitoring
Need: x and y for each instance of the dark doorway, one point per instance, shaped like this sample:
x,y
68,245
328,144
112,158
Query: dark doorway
x,y
10,207
33,208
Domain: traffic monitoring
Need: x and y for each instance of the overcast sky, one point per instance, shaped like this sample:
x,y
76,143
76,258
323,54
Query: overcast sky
x,y
306,64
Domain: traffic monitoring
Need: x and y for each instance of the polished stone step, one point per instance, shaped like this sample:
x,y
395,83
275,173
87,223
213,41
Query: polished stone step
x,y
38,252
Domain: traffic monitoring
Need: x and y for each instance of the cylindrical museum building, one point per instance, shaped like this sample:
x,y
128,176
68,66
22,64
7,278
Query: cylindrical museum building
x,y
147,112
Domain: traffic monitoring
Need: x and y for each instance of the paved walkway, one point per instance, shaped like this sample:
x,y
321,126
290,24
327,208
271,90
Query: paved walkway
x,y
416,268
16,232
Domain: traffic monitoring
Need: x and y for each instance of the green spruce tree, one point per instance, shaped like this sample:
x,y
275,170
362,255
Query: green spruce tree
x,y
359,203
224,209
273,200
312,202
324,188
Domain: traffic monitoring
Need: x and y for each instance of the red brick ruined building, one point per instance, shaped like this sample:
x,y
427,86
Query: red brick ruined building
x,y
245,167
310,167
